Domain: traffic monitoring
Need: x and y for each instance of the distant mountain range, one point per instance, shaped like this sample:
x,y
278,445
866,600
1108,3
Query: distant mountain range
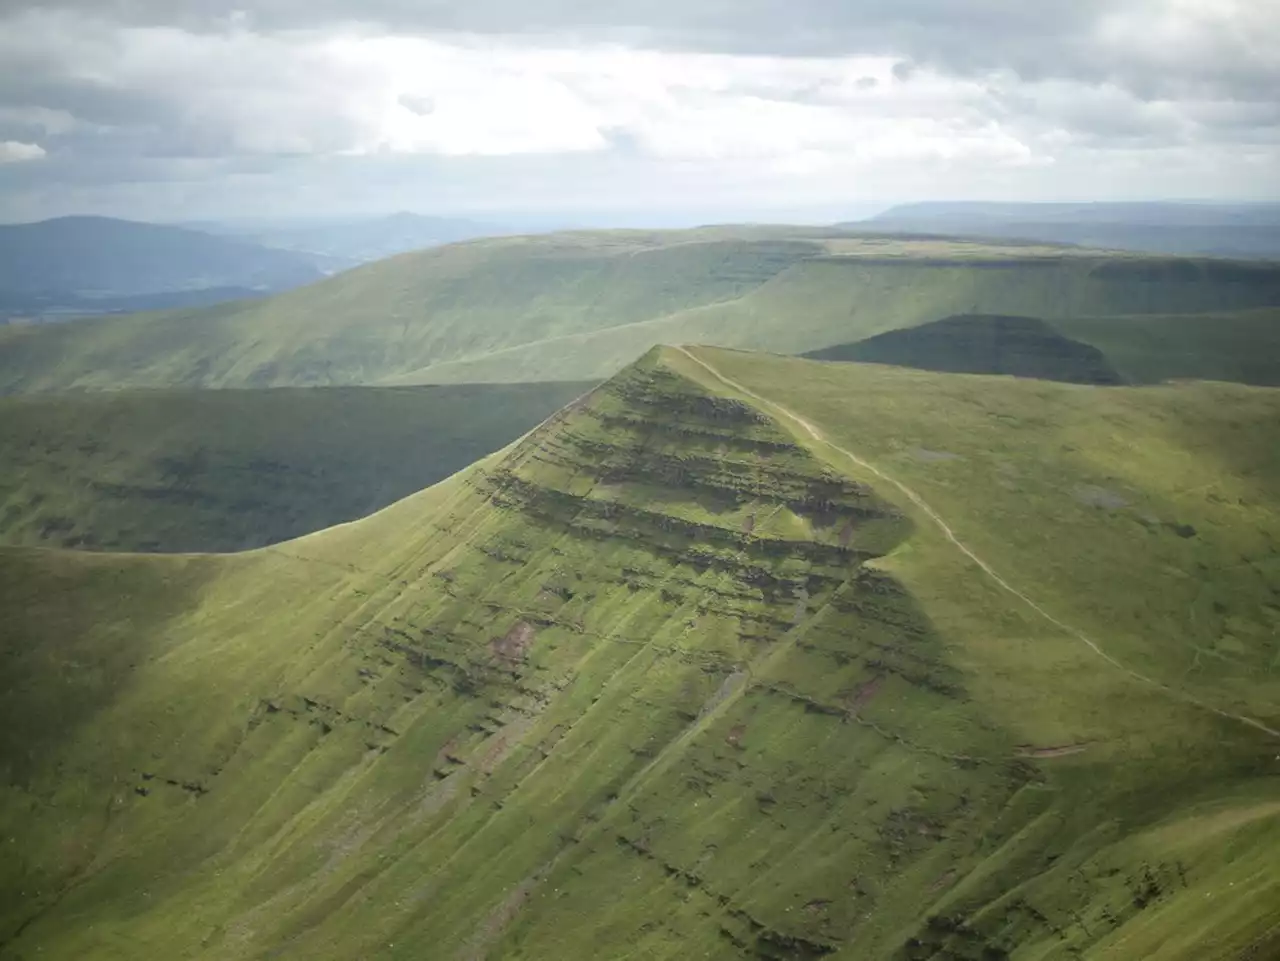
x,y
86,265
82,266
1220,230
356,240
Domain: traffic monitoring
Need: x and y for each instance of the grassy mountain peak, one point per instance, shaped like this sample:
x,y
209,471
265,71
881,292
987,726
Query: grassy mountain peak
x,y
738,657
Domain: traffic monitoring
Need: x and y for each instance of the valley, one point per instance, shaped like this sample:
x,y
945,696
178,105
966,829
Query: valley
x,y
217,471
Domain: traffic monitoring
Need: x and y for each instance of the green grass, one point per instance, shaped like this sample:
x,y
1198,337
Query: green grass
x,y
580,306
669,678
832,300
1241,346
1169,491
231,470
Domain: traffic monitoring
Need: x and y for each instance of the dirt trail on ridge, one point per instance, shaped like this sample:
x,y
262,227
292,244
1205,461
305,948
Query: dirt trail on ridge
x,y
986,568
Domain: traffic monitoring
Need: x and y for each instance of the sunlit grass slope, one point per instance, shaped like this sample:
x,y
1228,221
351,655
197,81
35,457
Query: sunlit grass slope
x,y
229,470
860,288
408,311
671,678
582,305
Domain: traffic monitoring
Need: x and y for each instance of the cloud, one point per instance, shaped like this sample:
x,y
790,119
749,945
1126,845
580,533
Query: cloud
x,y
417,103
163,92
13,151
1049,38
749,98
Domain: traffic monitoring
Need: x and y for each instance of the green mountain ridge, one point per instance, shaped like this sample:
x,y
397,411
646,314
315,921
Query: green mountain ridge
x,y
677,675
580,306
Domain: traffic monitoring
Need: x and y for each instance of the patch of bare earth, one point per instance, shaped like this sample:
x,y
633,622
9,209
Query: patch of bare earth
x,y
496,922
729,687
512,647
865,692
1092,495
933,456
735,735
945,881
1064,750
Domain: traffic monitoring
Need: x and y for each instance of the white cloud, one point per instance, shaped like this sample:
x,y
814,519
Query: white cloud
x,y
350,93
13,151
41,118
1166,47
1151,98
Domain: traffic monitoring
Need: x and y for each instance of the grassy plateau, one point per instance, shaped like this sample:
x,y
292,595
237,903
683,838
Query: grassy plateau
x,y
738,657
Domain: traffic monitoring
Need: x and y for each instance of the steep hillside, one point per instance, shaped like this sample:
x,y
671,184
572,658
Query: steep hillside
x,y
77,255
676,676
231,470
581,306
862,291
982,344
399,314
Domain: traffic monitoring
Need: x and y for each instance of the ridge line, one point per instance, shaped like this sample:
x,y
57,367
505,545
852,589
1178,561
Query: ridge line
x,y
986,568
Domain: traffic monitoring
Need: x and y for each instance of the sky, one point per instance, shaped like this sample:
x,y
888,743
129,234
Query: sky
x,y
629,109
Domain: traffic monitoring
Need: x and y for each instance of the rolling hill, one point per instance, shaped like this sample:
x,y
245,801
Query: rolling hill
x,y
738,657
236,469
580,306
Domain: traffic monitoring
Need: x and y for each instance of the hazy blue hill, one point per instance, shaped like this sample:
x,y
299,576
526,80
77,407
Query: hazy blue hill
x,y
365,239
1156,213
1243,230
80,255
